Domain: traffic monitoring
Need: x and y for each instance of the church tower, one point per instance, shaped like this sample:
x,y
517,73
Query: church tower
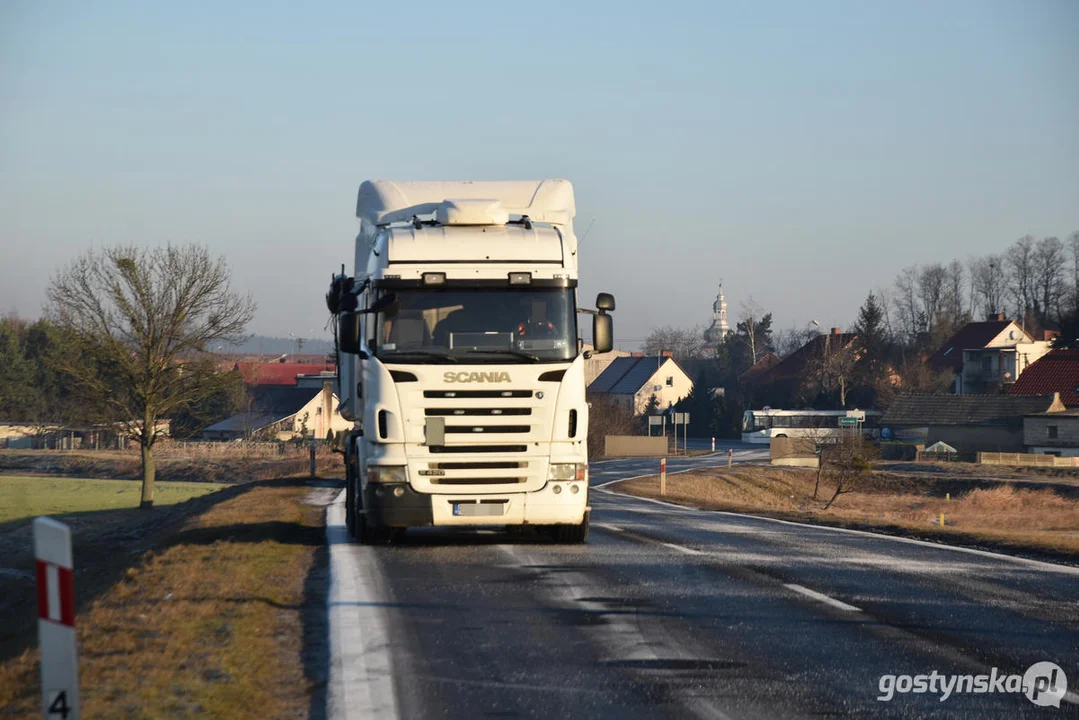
x,y
714,335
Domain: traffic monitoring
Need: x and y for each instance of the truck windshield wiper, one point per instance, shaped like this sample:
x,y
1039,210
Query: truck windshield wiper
x,y
507,351
397,354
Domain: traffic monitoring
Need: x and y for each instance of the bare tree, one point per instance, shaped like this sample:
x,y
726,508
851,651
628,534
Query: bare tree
x,y
1020,261
753,323
932,282
954,292
683,343
906,302
1073,243
1049,279
789,340
846,463
831,370
886,310
988,282
917,376
139,323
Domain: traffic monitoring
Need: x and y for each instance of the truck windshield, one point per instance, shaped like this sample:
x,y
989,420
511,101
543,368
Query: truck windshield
x,y
479,325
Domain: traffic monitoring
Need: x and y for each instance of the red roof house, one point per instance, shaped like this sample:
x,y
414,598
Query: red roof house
x,y
279,373
1056,371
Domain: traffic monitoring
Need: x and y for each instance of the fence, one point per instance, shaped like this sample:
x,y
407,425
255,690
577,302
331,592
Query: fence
x,y
1026,460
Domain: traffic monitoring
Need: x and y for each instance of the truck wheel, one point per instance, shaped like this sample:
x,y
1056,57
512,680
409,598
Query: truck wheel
x,y
572,534
373,534
350,505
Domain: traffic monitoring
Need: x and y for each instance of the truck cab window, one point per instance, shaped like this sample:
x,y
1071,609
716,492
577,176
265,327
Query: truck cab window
x,y
473,324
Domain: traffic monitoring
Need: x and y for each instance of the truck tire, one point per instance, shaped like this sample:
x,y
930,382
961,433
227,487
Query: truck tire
x,y
572,534
373,534
350,504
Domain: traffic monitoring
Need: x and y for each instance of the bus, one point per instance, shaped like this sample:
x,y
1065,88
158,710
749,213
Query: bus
x,y
760,426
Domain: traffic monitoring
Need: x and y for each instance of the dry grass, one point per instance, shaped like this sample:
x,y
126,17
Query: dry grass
x,y
1002,515
209,624
187,468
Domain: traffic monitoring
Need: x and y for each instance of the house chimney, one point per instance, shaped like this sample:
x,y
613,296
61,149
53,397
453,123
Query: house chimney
x,y
836,331
998,317
668,353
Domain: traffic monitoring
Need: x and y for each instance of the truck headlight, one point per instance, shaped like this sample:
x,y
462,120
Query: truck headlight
x,y
386,474
567,471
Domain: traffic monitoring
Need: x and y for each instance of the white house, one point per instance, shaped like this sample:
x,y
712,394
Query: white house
x,y
988,357
284,413
634,380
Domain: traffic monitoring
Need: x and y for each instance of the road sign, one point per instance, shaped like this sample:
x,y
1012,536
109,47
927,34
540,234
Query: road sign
x,y
56,619
848,422
681,418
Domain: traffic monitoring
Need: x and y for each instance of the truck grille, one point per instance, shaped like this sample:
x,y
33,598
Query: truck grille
x,y
453,412
434,450
477,393
480,465
485,432
479,481
487,429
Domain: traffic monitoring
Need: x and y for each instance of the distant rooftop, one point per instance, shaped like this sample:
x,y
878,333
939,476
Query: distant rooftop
x,y
1056,371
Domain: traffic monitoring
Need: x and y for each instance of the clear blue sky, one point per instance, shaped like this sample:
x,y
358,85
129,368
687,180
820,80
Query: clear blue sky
x,y
802,151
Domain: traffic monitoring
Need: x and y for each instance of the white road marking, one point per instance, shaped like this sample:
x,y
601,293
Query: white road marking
x,y
621,635
1036,564
361,679
821,597
607,527
681,548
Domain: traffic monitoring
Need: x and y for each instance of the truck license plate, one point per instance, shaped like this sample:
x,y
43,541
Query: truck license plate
x,y
478,509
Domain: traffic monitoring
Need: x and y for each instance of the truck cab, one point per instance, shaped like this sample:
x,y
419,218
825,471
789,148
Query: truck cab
x,y
460,359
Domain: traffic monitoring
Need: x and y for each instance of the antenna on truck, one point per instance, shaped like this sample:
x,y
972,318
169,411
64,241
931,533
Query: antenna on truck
x,y
588,229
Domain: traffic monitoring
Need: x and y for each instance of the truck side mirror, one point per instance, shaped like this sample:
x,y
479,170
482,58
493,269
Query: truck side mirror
x,y
348,332
605,301
602,332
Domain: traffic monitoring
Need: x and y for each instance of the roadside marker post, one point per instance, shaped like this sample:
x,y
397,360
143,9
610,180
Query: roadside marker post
x,y
730,456
663,476
56,619
713,444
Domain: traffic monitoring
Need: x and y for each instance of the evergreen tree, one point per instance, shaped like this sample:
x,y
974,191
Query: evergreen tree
x,y
16,373
871,345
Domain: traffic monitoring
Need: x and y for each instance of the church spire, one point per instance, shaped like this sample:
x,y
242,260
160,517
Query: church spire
x,y
720,327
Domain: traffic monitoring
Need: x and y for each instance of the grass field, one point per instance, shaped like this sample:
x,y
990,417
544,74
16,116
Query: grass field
x,y
27,497
210,623
997,513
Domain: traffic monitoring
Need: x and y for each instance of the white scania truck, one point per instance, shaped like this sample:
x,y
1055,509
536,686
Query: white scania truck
x,y
460,361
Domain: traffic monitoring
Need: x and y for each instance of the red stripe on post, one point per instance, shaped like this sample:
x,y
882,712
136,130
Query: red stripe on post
x,y
42,590
67,597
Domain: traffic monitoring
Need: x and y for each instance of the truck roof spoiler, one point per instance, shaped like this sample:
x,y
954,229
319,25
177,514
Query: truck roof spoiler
x,y
382,202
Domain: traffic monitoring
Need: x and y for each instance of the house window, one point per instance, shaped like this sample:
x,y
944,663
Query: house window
x,y
657,388
670,382
1051,431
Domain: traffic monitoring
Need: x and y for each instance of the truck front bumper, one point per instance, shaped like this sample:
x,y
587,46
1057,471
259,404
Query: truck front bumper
x,y
555,503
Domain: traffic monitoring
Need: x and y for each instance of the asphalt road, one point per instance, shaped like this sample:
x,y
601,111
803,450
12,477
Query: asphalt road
x,y
671,612
601,472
